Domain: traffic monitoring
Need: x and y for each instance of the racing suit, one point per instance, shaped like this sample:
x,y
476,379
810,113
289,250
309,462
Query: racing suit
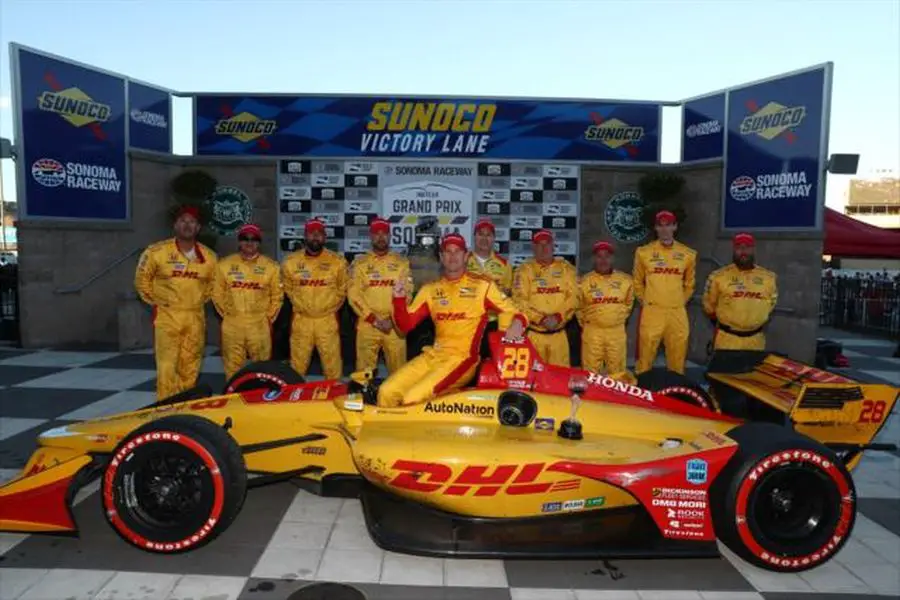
x,y
247,293
372,279
459,309
497,268
542,290
741,302
177,287
316,287
664,281
604,304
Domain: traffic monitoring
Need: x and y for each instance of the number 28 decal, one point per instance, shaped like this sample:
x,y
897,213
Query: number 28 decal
x,y
516,363
872,411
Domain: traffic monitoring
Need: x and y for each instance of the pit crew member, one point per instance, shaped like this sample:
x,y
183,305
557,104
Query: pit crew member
x,y
739,298
458,303
372,279
484,261
175,278
546,288
605,301
248,294
315,281
664,281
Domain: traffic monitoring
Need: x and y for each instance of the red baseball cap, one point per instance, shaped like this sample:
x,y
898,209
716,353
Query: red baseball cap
x,y
188,210
544,235
251,230
665,217
379,224
744,239
453,239
486,223
601,245
313,225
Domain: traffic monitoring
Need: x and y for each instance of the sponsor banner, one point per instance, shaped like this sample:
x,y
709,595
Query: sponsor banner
x,y
345,126
149,118
71,133
774,154
703,128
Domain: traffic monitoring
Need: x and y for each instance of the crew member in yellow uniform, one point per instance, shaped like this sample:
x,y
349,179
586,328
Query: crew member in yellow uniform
x,y
175,277
605,300
740,298
546,288
248,295
372,279
484,261
315,281
664,281
458,303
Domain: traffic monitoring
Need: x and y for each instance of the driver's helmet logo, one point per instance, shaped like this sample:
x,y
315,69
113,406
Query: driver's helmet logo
x,y
623,218
231,208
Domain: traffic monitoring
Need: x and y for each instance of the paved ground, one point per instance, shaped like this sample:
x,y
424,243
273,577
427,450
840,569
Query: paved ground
x,y
286,539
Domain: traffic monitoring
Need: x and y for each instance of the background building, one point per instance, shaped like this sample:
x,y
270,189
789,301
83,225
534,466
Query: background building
x,y
875,199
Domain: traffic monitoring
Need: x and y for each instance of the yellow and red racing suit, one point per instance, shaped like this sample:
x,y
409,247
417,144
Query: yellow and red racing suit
x,y
604,304
372,279
544,290
741,301
664,281
248,295
316,286
459,309
177,287
494,267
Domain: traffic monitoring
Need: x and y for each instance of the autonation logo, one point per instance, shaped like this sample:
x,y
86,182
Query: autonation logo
x,y
149,118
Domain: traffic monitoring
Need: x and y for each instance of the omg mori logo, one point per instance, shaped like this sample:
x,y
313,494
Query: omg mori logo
x,y
772,121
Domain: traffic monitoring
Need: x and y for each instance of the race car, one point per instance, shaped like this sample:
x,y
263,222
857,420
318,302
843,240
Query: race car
x,y
533,460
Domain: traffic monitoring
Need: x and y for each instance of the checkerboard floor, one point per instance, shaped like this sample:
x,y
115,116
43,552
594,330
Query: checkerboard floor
x,y
285,538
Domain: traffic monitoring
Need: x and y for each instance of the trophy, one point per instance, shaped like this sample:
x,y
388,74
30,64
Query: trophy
x,y
570,429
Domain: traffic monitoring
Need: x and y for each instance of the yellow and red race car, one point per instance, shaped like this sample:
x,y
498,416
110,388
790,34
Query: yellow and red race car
x,y
533,460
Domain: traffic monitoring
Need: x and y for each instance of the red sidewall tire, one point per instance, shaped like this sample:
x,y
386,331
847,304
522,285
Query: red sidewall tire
x,y
268,375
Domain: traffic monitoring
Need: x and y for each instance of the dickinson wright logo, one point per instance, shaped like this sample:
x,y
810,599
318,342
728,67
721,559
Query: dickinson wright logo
x,y
74,106
614,134
245,127
772,120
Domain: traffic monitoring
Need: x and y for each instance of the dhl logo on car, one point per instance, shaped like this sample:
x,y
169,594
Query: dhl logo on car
x,y
772,120
455,117
246,127
614,134
76,107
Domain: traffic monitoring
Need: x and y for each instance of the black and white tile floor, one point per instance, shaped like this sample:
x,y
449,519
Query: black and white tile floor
x,y
285,538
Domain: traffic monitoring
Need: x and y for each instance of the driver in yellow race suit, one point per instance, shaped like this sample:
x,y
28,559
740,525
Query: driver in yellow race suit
x,y
175,278
247,293
458,303
739,298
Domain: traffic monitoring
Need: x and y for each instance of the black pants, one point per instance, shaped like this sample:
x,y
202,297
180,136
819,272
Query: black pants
x,y
485,348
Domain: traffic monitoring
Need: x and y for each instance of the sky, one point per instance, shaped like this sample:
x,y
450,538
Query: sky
x,y
603,49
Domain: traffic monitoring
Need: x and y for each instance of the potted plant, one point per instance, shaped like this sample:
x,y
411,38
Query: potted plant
x,y
194,188
660,190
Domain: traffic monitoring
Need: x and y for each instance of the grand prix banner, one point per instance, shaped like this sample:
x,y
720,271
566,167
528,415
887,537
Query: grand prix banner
x,y
149,118
71,133
776,152
447,128
703,128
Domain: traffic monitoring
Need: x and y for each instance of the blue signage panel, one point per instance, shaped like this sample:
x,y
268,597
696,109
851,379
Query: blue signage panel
x,y
774,153
350,126
149,118
703,128
72,133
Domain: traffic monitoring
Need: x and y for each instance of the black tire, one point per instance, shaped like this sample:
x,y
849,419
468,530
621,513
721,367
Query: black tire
x,y
214,493
784,502
676,386
268,374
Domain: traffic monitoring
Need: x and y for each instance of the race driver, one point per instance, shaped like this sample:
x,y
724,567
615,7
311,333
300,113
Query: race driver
x,y
664,281
372,279
315,281
605,301
247,293
739,298
175,278
458,303
546,288
484,261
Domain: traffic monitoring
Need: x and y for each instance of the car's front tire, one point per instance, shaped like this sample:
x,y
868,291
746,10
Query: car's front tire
x,y
174,484
263,375
676,386
784,502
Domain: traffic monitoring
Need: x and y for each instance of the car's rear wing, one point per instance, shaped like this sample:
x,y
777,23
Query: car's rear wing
x,y
840,412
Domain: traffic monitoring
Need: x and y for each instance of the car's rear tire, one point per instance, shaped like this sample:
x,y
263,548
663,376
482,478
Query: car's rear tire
x,y
784,502
174,484
263,375
676,386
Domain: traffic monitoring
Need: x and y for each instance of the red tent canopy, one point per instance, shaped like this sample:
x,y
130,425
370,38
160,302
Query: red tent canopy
x,y
847,237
